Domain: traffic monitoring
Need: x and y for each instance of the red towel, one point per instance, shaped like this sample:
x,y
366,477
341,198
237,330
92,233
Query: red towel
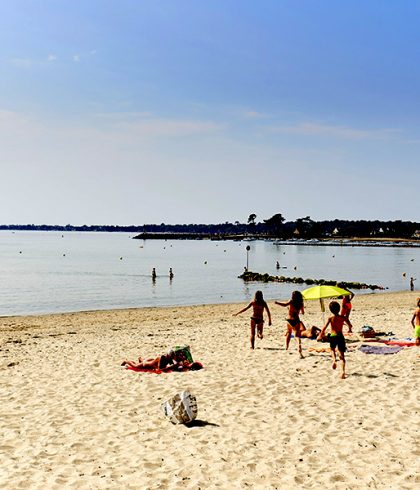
x,y
143,370
195,366
402,343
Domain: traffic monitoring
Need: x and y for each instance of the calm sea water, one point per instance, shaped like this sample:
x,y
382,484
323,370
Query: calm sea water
x,y
45,272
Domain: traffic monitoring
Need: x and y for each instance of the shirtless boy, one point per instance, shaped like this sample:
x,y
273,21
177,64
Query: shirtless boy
x,y
415,321
336,338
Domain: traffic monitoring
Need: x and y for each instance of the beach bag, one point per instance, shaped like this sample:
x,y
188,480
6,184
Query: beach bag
x,y
183,353
181,408
368,332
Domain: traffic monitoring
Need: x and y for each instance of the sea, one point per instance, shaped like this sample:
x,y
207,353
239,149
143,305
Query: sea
x,y
52,272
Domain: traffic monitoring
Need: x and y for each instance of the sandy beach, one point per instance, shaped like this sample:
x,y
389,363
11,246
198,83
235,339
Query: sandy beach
x,y
72,417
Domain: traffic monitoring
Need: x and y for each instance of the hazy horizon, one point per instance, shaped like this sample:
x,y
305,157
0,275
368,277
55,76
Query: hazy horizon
x,y
257,221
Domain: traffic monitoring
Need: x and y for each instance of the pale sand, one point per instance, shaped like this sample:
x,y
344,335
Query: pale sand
x,y
71,417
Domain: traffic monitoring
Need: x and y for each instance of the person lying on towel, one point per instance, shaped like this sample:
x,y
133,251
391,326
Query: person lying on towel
x,y
161,362
165,362
309,333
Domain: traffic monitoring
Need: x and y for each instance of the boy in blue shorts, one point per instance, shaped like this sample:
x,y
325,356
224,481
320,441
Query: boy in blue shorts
x,y
336,338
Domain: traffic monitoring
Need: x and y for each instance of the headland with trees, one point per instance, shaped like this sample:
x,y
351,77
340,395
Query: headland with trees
x,y
276,227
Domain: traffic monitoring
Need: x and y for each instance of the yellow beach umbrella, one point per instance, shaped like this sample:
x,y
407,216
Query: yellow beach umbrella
x,y
322,292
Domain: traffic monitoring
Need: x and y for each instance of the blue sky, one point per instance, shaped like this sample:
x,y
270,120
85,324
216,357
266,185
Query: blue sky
x,y
181,111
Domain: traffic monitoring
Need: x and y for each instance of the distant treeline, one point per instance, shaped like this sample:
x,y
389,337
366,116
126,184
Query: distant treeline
x,y
275,227
107,228
298,229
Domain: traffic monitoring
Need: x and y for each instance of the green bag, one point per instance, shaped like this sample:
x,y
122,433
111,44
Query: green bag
x,y
183,353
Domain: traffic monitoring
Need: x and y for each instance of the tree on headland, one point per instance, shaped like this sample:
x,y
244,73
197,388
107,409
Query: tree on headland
x,y
304,227
251,219
275,224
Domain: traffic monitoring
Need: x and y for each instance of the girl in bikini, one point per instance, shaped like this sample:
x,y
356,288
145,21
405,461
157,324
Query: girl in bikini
x,y
294,324
257,318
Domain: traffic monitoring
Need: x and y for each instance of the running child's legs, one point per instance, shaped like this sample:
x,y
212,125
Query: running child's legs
x,y
299,344
253,324
288,335
343,364
334,358
260,330
297,332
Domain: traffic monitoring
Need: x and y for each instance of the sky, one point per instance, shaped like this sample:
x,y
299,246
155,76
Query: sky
x,y
184,111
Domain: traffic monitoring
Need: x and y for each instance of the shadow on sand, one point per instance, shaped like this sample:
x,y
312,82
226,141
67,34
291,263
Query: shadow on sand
x,y
200,423
388,375
363,375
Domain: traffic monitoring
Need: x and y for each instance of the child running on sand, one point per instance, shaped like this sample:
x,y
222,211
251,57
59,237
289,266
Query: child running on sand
x,y
294,325
346,305
336,337
415,321
257,318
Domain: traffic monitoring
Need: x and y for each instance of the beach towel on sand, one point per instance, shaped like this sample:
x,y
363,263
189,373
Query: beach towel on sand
x,y
195,366
379,349
400,342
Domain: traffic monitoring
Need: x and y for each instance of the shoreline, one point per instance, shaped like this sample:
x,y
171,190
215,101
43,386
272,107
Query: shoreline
x,y
350,242
142,308
334,242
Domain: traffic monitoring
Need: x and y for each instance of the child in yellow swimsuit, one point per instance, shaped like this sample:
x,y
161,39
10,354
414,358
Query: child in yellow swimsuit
x,y
415,321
